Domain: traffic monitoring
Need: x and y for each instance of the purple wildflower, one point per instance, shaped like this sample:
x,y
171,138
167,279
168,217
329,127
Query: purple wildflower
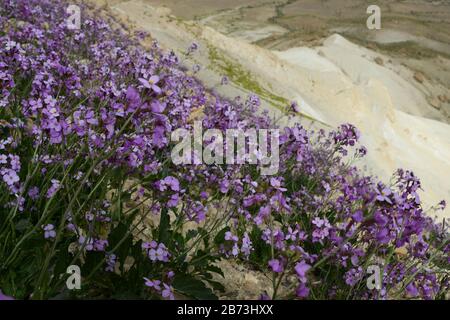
x,y
302,291
276,265
33,193
49,231
10,177
247,247
111,261
151,83
154,284
167,292
301,268
412,290
156,252
384,195
295,107
5,297
53,188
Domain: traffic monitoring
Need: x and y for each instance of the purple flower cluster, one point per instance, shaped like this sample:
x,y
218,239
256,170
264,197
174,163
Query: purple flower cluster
x,y
92,244
9,167
347,135
232,247
156,251
95,114
336,218
53,188
163,289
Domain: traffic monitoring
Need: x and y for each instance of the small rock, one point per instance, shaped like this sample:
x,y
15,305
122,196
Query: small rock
x,y
435,103
402,251
418,76
443,98
251,280
379,61
372,46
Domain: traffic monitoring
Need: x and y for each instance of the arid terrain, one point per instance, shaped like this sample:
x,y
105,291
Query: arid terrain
x,y
414,33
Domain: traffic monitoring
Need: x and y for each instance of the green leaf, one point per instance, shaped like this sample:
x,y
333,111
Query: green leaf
x,y
22,225
193,288
215,269
220,237
216,285
191,234
164,227
93,258
116,236
63,260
